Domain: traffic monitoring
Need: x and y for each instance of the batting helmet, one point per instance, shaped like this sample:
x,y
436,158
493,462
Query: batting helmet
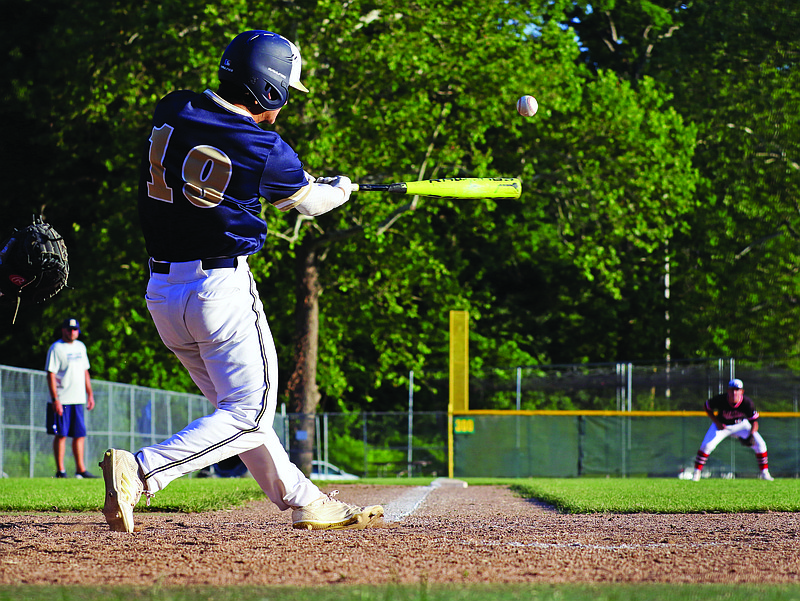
x,y
266,63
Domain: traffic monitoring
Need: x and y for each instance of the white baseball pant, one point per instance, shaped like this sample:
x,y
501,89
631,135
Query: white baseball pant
x,y
214,322
713,437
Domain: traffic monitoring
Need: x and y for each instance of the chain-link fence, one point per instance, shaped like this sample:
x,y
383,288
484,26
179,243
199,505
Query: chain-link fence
x,y
124,416
415,443
674,386
130,417
617,444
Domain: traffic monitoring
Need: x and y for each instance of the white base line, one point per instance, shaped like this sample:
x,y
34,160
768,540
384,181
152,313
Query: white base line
x,y
406,504
594,547
410,501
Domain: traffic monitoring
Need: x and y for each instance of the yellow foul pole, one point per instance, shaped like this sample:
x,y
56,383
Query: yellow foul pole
x,y
459,375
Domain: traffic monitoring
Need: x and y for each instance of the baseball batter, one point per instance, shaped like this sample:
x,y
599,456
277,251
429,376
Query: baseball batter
x,y
206,167
732,414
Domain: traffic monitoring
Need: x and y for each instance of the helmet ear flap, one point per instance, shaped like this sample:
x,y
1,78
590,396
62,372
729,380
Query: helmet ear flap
x,y
273,96
266,94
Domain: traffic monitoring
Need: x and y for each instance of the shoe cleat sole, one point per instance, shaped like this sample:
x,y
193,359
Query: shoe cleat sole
x,y
117,519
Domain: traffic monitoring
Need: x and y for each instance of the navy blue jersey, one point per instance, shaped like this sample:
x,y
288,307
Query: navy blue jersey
x,y
206,167
732,415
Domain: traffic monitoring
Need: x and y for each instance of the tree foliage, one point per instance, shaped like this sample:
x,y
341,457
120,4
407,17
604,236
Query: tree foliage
x,y
639,153
732,69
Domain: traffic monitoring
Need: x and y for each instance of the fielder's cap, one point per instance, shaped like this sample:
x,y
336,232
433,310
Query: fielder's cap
x,y
71,324
735,383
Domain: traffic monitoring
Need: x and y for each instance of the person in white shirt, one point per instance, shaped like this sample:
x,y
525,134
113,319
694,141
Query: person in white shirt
x,y
67,367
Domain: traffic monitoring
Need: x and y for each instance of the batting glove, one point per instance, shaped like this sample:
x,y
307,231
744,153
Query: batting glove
x,y
340,181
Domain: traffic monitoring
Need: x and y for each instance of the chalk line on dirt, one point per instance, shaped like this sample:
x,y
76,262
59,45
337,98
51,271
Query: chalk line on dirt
x,y
617,547
407,503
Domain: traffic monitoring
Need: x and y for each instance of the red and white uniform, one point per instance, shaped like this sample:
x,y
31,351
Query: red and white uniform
x,y
732,414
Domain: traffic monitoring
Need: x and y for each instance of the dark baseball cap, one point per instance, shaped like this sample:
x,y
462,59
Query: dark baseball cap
x,y
71,324
735,383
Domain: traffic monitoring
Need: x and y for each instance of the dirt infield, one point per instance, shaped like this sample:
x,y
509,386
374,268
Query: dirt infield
x,y
455,535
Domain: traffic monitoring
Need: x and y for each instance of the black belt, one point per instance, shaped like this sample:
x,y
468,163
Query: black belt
x,y
215,263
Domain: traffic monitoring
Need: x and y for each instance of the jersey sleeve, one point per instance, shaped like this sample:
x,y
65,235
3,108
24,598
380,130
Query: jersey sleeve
x,y
283,182
52,363
750,410
712,404
85,358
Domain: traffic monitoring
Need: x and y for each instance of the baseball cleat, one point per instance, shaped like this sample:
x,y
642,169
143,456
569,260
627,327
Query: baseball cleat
x,y
696,475
765,475
327,513
123,488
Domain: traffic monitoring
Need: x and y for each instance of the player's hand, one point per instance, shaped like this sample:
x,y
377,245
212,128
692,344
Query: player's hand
x,y
58,407
720,425
309,178
90,402
340,181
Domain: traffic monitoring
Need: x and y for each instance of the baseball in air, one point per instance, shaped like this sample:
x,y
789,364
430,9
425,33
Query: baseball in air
x,y
527,106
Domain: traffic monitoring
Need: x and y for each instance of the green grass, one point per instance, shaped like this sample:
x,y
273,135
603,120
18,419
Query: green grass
x,y
662,495
488,592
574,495
187,495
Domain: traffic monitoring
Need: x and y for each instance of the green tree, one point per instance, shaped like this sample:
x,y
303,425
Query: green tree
x,y
739,266
732,70
397,92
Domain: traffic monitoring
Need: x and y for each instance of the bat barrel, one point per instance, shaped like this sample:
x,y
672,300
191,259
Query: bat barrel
x,y
468,187
458,187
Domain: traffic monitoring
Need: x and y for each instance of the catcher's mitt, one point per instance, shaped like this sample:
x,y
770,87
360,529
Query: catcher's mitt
x,y
747,442
33,264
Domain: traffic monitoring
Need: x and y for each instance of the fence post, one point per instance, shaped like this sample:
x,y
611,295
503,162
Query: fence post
x,y
132,417
153,416
169,416
630,403
2,425
364,439
285,426
623,392
31,436
318,441
796,437
168,401
517,418
410,420
109,404
325,439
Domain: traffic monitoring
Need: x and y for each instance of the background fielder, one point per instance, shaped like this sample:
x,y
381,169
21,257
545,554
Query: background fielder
x,y
732,414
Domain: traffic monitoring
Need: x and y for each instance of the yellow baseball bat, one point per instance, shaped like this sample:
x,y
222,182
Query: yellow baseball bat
x,y
455,187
